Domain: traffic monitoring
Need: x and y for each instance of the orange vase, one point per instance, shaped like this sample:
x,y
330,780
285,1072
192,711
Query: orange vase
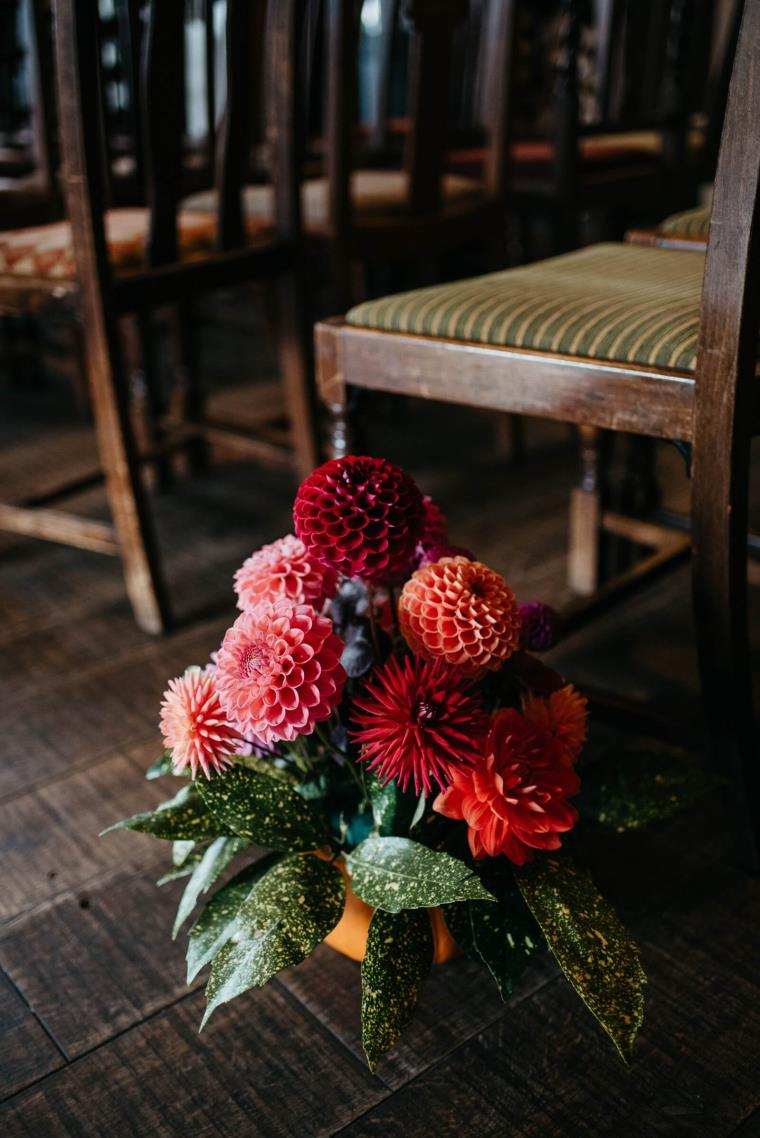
x,y
350,934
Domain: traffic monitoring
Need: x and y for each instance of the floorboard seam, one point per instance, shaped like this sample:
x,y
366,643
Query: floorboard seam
x,y
42,1024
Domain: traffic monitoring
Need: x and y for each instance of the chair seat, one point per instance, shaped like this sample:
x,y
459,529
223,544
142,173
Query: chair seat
x,y
46,252
373,193
610,302
691,225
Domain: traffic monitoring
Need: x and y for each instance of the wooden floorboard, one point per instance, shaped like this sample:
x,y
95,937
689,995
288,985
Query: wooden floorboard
x,y
98,1034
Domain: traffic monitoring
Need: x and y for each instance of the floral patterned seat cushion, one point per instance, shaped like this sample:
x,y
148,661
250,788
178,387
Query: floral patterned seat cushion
x,y
46,252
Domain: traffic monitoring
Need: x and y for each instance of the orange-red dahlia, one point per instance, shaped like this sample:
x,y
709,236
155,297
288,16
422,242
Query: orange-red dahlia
x,y
278,671
194,726
283,569
462,612
516,802
562,718
361,516
417,722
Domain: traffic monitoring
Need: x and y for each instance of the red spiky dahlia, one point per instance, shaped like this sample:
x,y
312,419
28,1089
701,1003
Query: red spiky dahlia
x,y
462,612
283,569
278,671
515,802
194,726
361,516
417,721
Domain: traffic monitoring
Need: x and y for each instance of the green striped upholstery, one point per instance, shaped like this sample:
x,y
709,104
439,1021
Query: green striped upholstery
x,y
609,302
693,224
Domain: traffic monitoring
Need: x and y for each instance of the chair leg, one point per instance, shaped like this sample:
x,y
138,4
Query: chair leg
x,y
297,369
334,394
586,503
124,488
719,537
187,398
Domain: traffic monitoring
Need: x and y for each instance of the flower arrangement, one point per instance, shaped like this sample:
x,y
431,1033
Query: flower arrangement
x,y
375,720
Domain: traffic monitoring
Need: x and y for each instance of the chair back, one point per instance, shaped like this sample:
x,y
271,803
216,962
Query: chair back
x,y
730,312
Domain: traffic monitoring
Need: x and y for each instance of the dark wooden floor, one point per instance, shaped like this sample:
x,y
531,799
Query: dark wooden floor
x,y
98,1033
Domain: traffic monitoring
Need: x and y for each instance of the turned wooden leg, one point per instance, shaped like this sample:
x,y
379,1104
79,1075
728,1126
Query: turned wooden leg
x,y
332,390
146,403
586,504
187,396
296,369
719,539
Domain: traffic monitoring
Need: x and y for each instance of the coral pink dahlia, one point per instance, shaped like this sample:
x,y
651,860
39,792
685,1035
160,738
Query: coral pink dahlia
x,y
418,721
516,801
278,671
462,612
194,726
283,569
362,516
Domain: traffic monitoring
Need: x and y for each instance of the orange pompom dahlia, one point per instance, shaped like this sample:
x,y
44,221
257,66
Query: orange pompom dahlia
x,y
278,671
562,719
194,726
515,802
283,569
462,612
417,721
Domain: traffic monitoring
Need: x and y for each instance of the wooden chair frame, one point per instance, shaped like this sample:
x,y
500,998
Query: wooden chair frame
x,y
101,298
716,410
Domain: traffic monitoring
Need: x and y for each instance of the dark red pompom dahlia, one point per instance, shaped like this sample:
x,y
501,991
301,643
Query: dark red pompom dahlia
x,y
361,516
418,722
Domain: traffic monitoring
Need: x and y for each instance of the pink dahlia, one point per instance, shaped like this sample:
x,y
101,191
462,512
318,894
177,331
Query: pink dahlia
x,y
516,801
417,721
361,516
283,569
278,671
195,727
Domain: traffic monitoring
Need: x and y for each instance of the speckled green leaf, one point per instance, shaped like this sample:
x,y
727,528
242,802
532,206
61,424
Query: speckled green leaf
x,y
162,766
266,810
392,809
591,946
185,857
633,787
184,817
216,921
266,767
397,873
288,911
398,959
211,866
503,936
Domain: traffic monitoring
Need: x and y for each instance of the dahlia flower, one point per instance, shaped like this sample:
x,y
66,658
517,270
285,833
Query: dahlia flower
x,y
278,671
194,726
462,612
539,626
562,719
417,721
516,801
360,516
283,569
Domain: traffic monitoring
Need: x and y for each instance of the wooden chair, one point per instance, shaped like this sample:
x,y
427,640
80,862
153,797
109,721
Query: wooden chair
x,y
112,264
379,216
615,337
601,98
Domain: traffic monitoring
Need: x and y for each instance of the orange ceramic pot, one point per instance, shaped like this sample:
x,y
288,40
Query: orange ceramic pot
x,y
350,934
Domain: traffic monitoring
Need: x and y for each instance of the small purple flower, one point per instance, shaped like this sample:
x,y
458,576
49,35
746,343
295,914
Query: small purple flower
x,y
428,554
540,626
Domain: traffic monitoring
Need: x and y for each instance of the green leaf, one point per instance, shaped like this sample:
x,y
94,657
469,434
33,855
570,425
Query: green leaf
x,y
217,921
266,767
591,946
266,810
162,766
636,786
392,809
503,936
288,911
183,851
184,817
397,961
185,857
397,873
211,866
